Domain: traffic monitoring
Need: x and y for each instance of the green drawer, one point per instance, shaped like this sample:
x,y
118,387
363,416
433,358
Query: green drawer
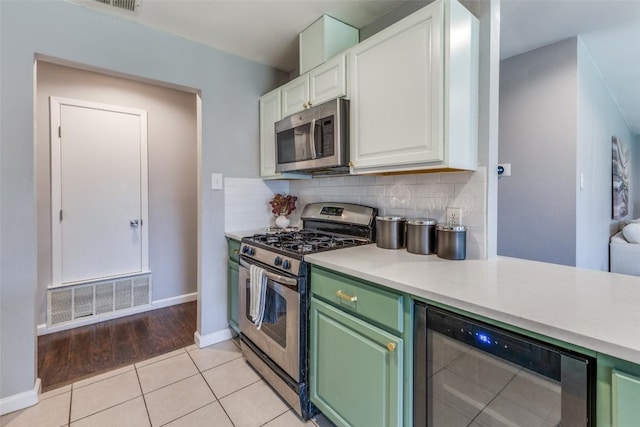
x,y
370,302
234,249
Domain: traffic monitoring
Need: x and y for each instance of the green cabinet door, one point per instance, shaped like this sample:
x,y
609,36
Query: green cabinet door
x,y
625,399
618,392
233,301
355,369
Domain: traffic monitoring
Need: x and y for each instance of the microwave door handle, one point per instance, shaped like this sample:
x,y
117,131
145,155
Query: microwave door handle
x,y
312,139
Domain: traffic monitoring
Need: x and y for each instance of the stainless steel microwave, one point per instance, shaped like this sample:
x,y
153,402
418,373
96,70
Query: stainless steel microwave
x,y
314,140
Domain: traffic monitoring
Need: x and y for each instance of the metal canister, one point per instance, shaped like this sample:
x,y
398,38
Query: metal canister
x,y
421,236
451,241
391,232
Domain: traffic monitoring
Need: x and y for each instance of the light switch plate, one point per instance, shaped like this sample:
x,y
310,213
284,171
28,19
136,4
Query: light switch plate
x,y
216,181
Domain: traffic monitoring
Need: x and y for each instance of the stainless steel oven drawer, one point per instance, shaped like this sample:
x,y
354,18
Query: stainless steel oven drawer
x,y
368,301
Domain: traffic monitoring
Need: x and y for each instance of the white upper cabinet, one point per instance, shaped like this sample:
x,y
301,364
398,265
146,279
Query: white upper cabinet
x,y
413,91
325,82
324,39
295,95
328,81
269,115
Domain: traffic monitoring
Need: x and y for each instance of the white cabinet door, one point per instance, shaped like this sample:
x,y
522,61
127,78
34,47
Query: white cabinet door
x,y
295,95
396,94
99,191
328,81
325,82
269,115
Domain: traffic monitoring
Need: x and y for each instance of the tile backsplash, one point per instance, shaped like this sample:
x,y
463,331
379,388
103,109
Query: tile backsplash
x,y
412,195
246,202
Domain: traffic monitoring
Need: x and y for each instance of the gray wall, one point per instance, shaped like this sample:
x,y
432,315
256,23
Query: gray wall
x,y
229,87
171,128
557,118
537,204
598,120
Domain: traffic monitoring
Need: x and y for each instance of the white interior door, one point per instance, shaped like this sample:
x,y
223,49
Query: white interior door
x,y
99,191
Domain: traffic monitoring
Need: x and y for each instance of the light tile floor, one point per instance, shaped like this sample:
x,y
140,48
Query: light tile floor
x,y
190,387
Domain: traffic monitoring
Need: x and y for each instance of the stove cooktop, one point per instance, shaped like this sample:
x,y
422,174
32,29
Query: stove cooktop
x,y
304,241
285,251
326,226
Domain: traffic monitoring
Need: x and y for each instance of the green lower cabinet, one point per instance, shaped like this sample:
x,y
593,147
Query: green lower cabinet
x,y
618,394
625,399
233,298
233,275
356,369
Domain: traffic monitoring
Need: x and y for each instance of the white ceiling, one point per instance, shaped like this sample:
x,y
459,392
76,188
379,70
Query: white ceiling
x,y
266,31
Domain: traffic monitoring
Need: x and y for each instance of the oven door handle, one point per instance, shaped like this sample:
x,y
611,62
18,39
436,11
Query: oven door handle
x,y
272,276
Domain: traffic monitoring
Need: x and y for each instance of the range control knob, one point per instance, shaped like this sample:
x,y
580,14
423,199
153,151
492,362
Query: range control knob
x,y
252,251
277,261
245,249
286,264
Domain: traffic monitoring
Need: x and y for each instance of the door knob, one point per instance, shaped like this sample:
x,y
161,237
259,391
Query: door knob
x,y
134,223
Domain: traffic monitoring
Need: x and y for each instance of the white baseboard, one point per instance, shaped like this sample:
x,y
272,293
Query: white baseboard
x,y
162,303
212,338
21,400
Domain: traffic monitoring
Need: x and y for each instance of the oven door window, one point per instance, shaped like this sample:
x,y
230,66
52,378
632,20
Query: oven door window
x,y
274,322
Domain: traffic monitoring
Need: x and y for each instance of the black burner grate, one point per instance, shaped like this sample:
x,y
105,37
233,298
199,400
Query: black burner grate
x,y
305,242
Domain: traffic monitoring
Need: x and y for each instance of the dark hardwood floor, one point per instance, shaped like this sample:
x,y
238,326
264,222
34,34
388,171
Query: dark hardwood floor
x,y
68,356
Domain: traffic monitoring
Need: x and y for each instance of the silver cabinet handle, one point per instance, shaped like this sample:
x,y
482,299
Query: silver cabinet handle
x,y
134,223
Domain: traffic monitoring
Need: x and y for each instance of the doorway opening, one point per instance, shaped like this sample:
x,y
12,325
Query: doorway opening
x,y
168,222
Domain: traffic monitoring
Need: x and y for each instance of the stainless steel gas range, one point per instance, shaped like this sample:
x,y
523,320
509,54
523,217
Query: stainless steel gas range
x,y
278,350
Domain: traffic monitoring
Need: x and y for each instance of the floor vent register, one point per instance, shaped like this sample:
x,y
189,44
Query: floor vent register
x,y
76,303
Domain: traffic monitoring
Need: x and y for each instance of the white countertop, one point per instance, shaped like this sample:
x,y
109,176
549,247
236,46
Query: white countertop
x,y
592,309
238,235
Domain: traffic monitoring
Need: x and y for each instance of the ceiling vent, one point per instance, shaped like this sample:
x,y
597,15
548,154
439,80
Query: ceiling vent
x,y
130,5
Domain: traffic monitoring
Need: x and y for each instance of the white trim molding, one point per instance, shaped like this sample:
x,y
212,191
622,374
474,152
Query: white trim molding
x,y
180,299
212,338
43,329
22,400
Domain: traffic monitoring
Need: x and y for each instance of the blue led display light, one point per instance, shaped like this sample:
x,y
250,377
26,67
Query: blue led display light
x,y
483,338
